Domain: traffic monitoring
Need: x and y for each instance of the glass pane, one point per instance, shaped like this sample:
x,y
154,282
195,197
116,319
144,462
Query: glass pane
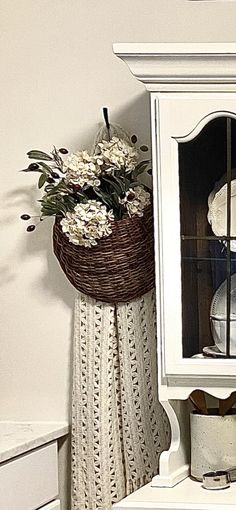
x,y
219,313
207,181
203,271
202,169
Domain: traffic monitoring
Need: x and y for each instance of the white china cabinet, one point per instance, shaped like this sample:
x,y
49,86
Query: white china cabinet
x,y
193,118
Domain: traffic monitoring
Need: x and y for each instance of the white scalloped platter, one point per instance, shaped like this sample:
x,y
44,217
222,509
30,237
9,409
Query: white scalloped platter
x,y
217,213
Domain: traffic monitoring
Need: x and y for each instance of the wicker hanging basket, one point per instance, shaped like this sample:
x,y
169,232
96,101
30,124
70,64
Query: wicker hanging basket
x,y
119,269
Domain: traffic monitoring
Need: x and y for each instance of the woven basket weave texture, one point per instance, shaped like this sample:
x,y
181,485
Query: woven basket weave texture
x,y
119,268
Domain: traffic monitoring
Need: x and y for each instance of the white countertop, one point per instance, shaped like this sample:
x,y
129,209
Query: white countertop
x,y
187,495
19,437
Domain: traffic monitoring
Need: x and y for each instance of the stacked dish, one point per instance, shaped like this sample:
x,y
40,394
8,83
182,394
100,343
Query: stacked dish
x,y
218,316
217,217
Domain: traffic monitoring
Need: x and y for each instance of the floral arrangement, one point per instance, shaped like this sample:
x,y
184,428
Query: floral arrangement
x,y
88,192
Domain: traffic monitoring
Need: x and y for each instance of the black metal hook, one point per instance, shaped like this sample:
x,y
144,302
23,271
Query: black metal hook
x,y
106,119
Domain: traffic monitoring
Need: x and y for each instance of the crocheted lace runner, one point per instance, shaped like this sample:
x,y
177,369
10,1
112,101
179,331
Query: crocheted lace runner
x,y
118,426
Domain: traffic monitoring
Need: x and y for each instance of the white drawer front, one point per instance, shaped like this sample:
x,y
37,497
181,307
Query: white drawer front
x,y
31,480
55,505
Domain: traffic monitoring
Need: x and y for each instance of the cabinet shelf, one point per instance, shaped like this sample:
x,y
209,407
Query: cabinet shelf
x,y
187,495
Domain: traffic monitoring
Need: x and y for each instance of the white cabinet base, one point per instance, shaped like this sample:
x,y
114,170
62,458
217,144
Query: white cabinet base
x,y
172,479
30,481
29,465
187,495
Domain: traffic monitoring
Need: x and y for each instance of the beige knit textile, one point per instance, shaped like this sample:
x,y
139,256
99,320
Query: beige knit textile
x,y
118,426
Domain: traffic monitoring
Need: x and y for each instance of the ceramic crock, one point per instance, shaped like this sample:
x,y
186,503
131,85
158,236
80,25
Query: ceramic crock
x,y
213,442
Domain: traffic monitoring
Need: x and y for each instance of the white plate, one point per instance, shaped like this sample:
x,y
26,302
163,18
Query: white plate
x,y
213,352
218,316
218,304
217,213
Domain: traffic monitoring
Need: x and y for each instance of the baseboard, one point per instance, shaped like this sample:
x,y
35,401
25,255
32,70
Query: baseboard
x,y
172,479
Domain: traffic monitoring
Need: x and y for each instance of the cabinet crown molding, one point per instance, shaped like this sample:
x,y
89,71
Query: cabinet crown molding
x,y
159,65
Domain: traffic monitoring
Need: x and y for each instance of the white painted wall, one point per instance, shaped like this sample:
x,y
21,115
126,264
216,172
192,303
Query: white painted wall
x,y
57,71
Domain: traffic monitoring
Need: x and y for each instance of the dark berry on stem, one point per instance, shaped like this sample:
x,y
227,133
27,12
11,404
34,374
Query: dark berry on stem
x,y
30,228
134,139
77,187
55,175
25,217
63,151
50,180
130,196
33,166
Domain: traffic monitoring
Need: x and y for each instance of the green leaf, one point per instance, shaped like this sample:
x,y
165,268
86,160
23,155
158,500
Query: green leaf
x,y
42,180
112,184
57,158
105,197
48,212
82,196
45,167
144,162
69,203
61,186
57,204
120,182
134,184
29,170
48,188
35,154
139,169
126,183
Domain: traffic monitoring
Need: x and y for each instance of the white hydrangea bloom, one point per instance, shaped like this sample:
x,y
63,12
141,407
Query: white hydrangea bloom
x,y
87,223
118,153
135,200
80,168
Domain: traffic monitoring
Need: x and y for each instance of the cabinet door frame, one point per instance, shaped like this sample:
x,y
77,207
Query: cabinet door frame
x,y
178,117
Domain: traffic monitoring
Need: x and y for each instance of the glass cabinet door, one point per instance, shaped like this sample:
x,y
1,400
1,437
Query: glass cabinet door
x,y
197,178
207,187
